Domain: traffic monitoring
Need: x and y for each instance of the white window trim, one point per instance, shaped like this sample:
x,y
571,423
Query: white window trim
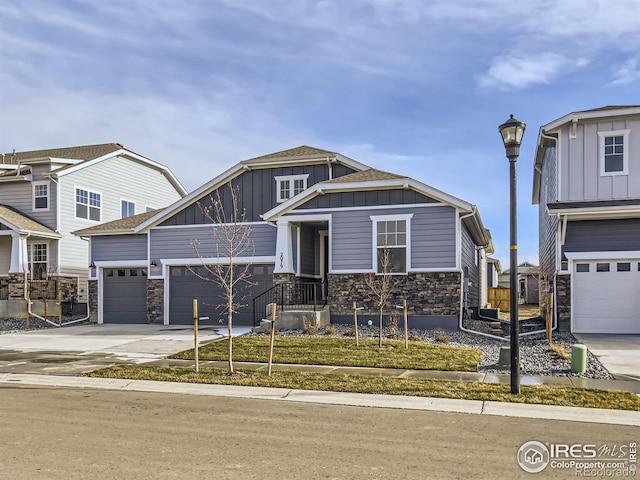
x,y
33,195
374,239
89,191
625,151
128,201
30,245
289,179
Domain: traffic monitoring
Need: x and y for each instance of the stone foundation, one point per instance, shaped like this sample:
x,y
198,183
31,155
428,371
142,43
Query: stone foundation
x,y
563,302
155,300
93,300
430,296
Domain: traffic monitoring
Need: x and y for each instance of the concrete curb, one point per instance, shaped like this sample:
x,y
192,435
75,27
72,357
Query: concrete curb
x,y
572,414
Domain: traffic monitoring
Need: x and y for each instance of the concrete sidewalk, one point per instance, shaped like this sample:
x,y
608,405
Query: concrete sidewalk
x,y
588,415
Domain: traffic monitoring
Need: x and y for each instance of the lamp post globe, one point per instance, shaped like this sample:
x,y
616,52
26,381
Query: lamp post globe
x,y
512,131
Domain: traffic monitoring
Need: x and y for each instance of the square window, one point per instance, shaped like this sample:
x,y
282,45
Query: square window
x,y
623,267
613,152
582,267
88,204
122,273
602,267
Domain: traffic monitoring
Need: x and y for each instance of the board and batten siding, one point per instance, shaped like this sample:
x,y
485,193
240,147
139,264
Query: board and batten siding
x,y
118,247
603,236
367,198
433,237
256,193
177,242
580,163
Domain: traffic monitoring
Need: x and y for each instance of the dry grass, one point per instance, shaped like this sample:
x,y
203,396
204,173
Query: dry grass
x,y
559,352
343,352
545,395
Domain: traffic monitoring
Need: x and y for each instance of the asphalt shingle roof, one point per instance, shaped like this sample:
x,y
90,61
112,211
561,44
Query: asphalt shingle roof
x,y
23,222
83,152
370,175
120,225
301,151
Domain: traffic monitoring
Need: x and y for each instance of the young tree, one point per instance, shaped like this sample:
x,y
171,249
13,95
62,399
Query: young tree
x,y
231,237
381,286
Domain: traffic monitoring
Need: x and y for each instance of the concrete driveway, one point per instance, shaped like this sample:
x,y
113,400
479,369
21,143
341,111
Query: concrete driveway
x,y
620,354
139,341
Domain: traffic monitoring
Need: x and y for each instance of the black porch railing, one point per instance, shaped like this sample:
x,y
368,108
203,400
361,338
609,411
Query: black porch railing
x,y
289,296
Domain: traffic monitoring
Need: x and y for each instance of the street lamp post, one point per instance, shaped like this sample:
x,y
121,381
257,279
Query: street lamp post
x,y
512,131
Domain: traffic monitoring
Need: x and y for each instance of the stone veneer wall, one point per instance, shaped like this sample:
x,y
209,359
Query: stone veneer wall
x,y
93,300
155,300
563,302
427,294
16,286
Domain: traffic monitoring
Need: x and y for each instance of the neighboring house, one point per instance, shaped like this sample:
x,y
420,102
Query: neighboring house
x,y
587,185
47,194
317,217
528,274
494,270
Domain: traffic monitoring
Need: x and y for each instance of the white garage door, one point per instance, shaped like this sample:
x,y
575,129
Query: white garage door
x,y
606,296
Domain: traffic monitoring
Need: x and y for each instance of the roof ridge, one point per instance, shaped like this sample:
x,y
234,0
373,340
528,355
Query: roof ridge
x,y
300,151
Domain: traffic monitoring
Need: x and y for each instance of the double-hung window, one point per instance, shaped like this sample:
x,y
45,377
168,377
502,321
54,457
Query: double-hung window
x,y
289,186
127,209
614,152
37,256
41,195
88,204
392,245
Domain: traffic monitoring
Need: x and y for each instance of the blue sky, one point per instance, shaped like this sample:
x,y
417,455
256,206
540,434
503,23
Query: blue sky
x,y
416,87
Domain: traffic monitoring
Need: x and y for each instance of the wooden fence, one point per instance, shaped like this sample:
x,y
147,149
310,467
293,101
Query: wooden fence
x,y
498,297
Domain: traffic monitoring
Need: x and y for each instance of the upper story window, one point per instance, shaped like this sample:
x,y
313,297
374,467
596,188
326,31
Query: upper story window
x,y
614,152
88,204
127,209
392,245
289,186
41,195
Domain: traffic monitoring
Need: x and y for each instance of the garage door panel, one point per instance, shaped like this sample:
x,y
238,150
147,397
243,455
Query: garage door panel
x,y
185,286
606,296
125,295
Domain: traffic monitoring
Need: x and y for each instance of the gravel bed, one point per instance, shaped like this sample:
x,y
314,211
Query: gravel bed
x,y
535,357
14,325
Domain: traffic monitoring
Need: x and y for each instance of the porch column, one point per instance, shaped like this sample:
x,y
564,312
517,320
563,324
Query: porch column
x,y
19,260
284,248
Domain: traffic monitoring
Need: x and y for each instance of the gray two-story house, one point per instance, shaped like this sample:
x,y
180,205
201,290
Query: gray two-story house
x,y
315,216
587,185
47,194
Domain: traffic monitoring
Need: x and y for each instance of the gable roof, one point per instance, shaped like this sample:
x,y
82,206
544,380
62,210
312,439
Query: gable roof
x,y
370,175
547,136
20,223
83,156
120,226
83,152
298,155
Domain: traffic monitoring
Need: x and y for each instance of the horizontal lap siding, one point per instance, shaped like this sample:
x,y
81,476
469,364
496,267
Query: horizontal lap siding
x,y
119,247
177,242
19,195
603,235
433,237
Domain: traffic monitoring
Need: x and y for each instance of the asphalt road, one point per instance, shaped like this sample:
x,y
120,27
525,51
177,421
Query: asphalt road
x,y
60,433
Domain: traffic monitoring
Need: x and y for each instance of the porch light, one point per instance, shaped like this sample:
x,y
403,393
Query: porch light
x,y
512,131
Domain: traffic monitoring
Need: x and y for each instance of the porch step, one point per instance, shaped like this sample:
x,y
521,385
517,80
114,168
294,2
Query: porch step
x,y
295,320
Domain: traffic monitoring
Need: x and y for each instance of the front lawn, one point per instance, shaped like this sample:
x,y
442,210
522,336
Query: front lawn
x,y
545,395
342,352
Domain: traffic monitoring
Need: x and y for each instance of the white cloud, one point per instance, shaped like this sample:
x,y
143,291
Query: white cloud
x,y
520,72
628,72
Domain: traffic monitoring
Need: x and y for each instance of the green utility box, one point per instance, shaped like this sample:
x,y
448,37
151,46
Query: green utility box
x,y
578,358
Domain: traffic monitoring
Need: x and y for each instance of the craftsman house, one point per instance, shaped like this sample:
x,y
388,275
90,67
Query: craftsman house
x,y
47,194
318,221
587,185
